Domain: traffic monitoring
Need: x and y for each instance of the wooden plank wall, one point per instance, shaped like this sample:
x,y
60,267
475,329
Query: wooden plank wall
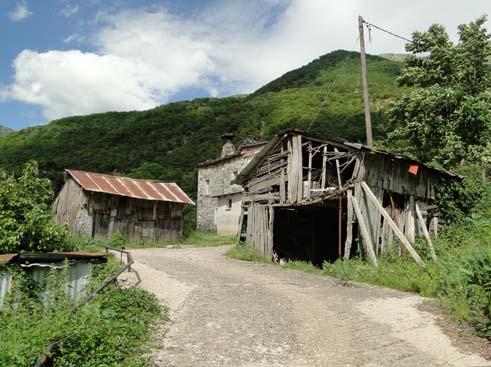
x,y
260,220
137,220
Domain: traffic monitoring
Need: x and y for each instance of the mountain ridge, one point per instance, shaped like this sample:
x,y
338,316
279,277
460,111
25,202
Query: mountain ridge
x,y
167,142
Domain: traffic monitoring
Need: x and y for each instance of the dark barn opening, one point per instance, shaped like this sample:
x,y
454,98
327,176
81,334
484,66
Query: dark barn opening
x,y
308,233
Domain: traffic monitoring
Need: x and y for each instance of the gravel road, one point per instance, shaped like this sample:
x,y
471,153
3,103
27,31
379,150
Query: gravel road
x,y
227,312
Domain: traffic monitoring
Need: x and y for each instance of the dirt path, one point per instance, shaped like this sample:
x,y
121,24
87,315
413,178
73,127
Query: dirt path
x,y
231,313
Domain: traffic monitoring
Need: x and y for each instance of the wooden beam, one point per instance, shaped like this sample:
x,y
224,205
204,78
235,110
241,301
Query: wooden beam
x,y
422,224
324,168
367,240
394,227
309,174
349,227
340,184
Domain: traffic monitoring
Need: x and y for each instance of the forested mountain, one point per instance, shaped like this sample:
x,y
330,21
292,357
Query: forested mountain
x,y
168,141
4,130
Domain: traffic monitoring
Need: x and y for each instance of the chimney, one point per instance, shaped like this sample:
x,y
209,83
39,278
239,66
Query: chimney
x,y
228,145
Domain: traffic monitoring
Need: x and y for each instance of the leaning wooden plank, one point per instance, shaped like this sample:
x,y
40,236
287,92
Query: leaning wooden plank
x,y
367,240
389,220
422,224
349,227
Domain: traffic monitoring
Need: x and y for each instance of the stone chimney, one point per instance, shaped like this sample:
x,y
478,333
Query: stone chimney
x,y
228,145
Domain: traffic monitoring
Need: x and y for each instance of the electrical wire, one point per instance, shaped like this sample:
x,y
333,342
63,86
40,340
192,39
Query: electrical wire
x,y
386,31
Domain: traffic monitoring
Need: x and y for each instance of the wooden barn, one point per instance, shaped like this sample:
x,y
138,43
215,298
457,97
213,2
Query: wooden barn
x,y
316,199
100,205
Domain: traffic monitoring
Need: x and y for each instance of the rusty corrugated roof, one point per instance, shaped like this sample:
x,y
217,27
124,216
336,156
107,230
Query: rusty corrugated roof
x,y
130,187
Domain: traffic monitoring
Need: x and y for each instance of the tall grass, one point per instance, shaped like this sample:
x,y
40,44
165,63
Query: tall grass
x,y
461,280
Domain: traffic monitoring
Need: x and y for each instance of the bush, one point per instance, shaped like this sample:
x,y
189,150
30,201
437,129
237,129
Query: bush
x,y
111,330
25,213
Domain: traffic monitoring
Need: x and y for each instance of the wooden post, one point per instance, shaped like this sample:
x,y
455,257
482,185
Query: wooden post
x,y
337,169
394,227
422,224
367,240
349,227
324,168
366,98
340,208
309,174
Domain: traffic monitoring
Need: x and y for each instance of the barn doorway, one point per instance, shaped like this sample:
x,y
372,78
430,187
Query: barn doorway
x,y
308,233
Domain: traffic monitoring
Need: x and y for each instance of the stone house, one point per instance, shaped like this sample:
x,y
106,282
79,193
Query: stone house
x,y
219,202
99,205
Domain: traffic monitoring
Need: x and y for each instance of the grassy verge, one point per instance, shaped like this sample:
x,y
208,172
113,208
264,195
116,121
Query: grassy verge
x,y
249,253
196,239
111,330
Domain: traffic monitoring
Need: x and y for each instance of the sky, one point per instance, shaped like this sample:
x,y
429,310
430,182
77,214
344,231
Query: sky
x,y
71,57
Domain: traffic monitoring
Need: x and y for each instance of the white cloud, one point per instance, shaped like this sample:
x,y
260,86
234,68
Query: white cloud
x,y
69,10
74,37
143,57
20,12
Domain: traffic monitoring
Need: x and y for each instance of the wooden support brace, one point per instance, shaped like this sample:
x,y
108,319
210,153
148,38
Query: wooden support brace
x,y
422,224
394,227
349,227
367,240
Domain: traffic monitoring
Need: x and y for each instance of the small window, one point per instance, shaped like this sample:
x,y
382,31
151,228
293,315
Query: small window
x,y
206,190
236,173
229,204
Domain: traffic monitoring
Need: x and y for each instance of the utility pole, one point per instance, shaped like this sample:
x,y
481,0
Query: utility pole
x,y
366,98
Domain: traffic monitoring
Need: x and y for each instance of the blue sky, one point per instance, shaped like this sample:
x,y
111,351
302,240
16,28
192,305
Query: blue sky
x,y
69,57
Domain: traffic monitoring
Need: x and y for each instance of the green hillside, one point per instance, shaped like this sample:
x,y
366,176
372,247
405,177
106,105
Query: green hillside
x,y
4,130
168,141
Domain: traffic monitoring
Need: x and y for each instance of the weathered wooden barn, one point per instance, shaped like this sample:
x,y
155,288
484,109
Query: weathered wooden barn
x,y
317,199
100,205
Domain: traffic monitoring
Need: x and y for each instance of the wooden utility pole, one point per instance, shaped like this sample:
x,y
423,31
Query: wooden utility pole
x,y
366,98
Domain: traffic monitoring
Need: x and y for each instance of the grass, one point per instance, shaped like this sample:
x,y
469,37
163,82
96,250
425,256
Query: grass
x,y
195,239
249,253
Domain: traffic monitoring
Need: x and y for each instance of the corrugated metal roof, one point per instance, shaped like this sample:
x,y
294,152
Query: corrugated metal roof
x,y
130,187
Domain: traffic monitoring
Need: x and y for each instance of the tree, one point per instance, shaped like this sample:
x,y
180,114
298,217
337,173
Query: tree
x,y
446,118
25,213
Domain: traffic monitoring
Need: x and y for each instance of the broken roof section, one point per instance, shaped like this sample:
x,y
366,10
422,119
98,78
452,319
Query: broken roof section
x,y
246,143
242,176
130,187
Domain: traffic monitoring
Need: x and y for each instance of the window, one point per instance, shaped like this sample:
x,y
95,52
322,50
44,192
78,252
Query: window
x,y
229,204
206,190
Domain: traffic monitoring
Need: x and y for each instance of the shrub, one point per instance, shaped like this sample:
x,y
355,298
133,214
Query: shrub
x,y
111,330
25,213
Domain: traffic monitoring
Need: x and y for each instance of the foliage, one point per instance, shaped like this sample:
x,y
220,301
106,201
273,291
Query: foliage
x,y
198,238
4,130
111,330
461,280
25,213
446,118
247,253
457,198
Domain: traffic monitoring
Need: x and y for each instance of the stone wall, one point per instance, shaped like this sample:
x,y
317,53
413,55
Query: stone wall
x,y
214,183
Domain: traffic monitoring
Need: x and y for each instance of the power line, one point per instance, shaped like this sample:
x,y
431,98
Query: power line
x,y
386,31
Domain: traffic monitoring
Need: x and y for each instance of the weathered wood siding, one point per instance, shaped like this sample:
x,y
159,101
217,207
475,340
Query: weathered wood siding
x,y
71,207
101,215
